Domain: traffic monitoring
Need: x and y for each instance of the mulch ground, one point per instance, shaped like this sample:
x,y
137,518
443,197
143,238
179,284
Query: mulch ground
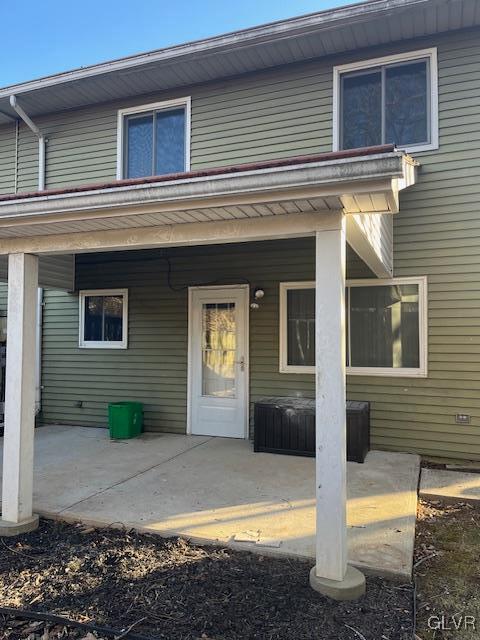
x,y
447,571
171,589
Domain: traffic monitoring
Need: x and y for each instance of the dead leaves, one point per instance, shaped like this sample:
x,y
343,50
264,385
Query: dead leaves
x,y
39,630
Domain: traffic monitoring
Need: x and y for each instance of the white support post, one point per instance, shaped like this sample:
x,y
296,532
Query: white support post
x,y
331,576
17,486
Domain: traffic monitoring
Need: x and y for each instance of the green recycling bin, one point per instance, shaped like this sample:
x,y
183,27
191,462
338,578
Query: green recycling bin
x,y
125,419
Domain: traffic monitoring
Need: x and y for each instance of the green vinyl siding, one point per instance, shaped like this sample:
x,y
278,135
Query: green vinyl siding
x,y
278,113
153,369
8,150
437,234
250,118
18,159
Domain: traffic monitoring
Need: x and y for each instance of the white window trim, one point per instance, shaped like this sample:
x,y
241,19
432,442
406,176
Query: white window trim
x,y
283,359
420,372
95,344
431,54
154,106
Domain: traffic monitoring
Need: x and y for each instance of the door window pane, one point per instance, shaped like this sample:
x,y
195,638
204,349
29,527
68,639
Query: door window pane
x,y
139,146
103,321
219,349
384,326
406,103
301,327
362,110
170,143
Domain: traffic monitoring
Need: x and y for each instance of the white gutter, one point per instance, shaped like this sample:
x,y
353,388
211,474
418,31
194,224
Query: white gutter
x,y
41,140
333,173
38,358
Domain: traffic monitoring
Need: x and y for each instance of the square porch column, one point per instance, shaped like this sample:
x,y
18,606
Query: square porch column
x,y
331,575
17,480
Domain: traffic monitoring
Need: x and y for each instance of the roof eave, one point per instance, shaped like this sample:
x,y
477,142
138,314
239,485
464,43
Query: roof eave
x,y
279,30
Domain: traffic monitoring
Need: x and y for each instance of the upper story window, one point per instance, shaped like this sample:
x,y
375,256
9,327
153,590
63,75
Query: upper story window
x,y
154,139
387,100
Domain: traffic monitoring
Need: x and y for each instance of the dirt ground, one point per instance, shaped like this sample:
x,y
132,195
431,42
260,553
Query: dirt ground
x,y
447,572
169,588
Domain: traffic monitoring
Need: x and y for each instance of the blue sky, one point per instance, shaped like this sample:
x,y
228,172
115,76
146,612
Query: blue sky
x,y
40,37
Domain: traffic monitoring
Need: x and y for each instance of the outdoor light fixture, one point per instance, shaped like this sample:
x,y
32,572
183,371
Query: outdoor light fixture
x,y
257,295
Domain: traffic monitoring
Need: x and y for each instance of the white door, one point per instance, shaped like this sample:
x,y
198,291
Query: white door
x,y
218,361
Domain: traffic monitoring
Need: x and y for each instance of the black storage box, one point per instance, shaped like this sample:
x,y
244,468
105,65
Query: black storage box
x,y
287,425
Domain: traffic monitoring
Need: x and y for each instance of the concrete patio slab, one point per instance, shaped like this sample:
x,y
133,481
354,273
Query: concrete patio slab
x,y
451,486
218,490
382,511
73,463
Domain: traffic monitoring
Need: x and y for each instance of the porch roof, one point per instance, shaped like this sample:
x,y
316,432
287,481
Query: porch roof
x,y
358,181
203,173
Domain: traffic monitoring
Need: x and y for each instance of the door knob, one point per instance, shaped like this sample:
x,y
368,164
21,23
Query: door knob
x,y
241,362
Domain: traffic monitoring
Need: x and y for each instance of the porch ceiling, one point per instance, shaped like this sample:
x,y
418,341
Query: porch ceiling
x,y
365,181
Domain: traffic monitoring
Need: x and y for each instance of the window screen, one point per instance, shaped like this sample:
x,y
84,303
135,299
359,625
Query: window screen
x,y
362,110
154,143
388,104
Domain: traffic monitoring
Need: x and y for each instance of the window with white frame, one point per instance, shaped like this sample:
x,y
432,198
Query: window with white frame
x,y
154,139
297,327
387,100
386,323
104,318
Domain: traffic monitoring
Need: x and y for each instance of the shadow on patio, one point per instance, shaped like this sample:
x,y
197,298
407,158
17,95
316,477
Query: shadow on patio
x,y
218,490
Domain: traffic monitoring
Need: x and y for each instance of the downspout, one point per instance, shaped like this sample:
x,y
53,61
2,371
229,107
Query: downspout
x,y
17,132
41,187
41,140
38,355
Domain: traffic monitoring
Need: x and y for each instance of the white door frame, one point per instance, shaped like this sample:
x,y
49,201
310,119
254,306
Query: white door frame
x,y
246,329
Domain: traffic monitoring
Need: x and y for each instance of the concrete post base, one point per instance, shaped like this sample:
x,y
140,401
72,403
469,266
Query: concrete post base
x,y
9,529
351,587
